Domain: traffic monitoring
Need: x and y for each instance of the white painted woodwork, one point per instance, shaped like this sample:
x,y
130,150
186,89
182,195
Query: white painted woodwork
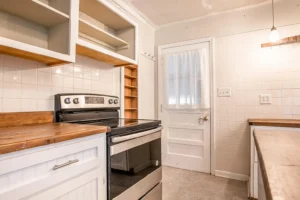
x,y
111,32
146,85
99,34
29,174
35,11
186,140
44,28
254,162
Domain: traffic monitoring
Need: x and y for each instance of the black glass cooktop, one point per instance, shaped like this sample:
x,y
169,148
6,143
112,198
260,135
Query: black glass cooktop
x,y
121,126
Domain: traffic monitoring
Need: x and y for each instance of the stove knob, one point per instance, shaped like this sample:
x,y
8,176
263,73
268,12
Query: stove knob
x,y
111,101
67,100
116,101
76,101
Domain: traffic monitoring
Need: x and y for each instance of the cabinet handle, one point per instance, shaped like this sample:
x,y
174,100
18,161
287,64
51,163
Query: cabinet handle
x,y
65,164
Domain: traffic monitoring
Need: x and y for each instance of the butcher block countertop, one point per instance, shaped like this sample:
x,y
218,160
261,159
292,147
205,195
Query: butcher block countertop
x,y
29,130
279,157
275,122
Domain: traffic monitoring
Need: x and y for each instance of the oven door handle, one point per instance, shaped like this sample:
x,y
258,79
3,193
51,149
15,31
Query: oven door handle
x,y
137,135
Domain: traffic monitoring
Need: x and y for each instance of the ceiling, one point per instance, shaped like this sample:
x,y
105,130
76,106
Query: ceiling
x,y
162,12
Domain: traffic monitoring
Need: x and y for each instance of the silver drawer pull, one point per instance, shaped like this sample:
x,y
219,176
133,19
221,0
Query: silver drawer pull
x,y
65,164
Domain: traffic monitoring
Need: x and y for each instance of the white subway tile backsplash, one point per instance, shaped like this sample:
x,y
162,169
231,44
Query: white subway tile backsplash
x,y
28,105
30,86
12,74
57,80
68,70
11,105
44,78
11,90
68,82
29,75
87,84
87,73
29,91
78,83
45,105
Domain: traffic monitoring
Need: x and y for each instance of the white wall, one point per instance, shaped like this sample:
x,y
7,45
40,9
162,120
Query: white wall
x,y
249,70
30,86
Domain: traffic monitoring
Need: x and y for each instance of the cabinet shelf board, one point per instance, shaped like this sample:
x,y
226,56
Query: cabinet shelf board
x,y
130,77
100,34
131,87
46,56
131,66
127,96
130,109
35,11
103,13
99,53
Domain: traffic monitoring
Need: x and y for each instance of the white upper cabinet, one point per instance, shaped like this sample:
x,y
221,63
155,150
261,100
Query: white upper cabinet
x,y
105,34
147,40
41,30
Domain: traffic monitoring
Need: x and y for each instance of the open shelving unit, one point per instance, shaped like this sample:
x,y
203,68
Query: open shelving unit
x,y
40,30
106,35
131,92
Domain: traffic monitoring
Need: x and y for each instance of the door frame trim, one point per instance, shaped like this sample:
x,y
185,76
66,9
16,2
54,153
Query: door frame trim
x,y
210,40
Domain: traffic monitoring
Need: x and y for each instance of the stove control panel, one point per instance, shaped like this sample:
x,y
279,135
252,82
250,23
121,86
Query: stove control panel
x,y
71,101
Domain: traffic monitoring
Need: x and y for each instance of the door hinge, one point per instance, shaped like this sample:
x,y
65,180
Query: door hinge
x,y
161,107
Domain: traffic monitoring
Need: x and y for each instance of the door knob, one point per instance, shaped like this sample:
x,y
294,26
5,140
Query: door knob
x,y
204,118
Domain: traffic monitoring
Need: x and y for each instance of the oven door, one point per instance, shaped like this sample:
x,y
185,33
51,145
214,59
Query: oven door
x,y
135,165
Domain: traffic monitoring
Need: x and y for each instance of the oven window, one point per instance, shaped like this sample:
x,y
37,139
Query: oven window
x,y
129,167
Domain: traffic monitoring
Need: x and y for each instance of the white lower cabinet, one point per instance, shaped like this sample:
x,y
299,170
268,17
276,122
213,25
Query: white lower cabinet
x,y
75,169
254,164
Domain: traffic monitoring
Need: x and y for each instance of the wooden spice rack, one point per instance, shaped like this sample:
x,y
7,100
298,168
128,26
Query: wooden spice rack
x,y
131,91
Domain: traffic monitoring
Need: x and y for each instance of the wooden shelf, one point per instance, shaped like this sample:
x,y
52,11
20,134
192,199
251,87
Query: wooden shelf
x,y
131,66
131,77
131,87
100,34
35,11
131,91
104,13
130,109
127,96
288,40
20,49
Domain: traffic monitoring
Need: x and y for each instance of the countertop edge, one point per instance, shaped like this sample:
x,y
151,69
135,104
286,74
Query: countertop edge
x,y
43,141
275,122
262,166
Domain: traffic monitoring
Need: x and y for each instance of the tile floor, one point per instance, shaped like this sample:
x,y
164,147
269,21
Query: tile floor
x,y
181,184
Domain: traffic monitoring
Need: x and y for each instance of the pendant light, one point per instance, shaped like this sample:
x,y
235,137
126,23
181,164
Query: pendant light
x,y
274,35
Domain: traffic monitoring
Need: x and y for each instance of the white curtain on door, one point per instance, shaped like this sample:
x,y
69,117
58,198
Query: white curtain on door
x,y
187,80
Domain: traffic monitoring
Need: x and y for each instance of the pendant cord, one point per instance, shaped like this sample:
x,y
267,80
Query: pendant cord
x,y
273,11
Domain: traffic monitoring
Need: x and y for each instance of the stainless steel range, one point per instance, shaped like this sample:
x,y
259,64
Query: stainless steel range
x,y
133,145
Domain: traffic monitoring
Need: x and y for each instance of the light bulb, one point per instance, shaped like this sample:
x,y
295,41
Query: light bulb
x,y
274,35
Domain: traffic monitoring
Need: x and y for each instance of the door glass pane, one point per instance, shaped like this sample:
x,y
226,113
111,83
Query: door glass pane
x,y
186,79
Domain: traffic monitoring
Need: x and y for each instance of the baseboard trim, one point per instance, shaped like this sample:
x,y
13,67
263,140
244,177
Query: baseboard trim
x,y
230,175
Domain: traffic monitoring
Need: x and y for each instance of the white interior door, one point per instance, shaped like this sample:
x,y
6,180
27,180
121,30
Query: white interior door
x,y
184,99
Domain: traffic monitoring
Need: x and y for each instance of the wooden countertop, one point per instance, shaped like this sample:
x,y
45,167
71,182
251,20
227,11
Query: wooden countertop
x,y
275,122
279,157
28,136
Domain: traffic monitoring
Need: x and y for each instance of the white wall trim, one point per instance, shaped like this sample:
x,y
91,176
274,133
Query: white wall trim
x,y
230,175
212,92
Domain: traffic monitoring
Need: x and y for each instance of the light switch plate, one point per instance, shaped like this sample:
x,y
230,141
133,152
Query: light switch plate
x,y
224,92
265,99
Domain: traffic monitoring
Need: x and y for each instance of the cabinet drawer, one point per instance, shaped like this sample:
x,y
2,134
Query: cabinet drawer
x,y
33,171
84,187
154,194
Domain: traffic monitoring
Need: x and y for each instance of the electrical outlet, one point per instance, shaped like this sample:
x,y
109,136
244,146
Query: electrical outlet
x,y
265,99
224,92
